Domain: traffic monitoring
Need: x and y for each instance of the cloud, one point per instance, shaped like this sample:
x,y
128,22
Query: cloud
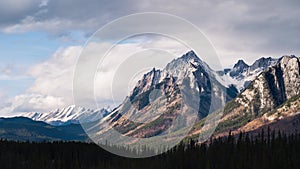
x,y
237,28
30,103
115,74
12,72
52,87
12,12
53,78
59,17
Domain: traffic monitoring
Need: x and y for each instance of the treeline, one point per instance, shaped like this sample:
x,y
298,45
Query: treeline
x,y
266,151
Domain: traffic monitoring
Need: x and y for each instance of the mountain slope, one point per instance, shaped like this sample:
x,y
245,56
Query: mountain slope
x,y
25,129
285,118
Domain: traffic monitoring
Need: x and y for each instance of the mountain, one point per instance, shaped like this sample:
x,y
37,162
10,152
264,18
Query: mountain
x,y
239,68
263,63
273,87
69,115
25,129
271,99
241,75
165,101
187,90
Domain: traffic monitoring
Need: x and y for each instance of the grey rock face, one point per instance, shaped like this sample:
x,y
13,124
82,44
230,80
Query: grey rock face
x,y
273,87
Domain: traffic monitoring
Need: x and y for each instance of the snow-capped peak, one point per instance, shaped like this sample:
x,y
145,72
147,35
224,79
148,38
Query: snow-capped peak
x,y
263,63
67,115
242,74
240,64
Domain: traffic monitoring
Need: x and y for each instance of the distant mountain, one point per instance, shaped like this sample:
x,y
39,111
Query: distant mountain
x,y
69,115
25,129
241,75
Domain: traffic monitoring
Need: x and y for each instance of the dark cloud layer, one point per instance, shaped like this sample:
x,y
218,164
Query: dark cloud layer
x,y
235,27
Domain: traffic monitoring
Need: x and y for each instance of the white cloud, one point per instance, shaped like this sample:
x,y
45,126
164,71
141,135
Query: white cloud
x,y
30,103
12,72
116,74
237,29
52,87
53,78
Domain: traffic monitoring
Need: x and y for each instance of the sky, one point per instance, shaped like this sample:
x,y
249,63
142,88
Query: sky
x,y
41,40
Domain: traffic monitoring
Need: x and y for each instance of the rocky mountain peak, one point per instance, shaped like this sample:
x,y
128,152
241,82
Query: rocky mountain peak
x,y
263,63
240,64
239,68
185,60
190,56
285,59
178,68
185,65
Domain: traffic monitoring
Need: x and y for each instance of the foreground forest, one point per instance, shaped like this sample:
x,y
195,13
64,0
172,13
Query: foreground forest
x,y
268,150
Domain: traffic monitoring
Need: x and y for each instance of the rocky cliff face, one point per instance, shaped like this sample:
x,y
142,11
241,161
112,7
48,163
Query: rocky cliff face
x,y
273,87
276,86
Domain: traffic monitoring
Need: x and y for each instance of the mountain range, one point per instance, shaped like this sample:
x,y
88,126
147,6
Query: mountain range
x,y
263,94
69,115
